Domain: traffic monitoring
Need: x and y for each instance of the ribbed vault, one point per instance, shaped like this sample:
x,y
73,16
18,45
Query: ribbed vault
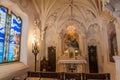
x,y
58,11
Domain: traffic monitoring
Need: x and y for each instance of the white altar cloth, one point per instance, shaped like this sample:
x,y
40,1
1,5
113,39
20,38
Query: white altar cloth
x,y
80,65
72,61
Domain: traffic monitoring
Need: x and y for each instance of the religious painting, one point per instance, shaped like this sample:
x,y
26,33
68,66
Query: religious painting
x,y
71,45
112,41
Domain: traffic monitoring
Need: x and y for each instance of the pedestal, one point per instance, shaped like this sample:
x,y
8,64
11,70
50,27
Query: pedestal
x,y
117,63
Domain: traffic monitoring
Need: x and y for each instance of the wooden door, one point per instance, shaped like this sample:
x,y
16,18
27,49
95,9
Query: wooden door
x,y
93,61
52,59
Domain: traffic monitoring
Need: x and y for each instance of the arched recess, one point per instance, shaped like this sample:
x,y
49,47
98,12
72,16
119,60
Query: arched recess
x,y
17,67
93,34
80,30
112,41
94,38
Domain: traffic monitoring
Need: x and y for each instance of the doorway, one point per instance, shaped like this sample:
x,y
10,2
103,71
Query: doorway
x,y
52,58
93,61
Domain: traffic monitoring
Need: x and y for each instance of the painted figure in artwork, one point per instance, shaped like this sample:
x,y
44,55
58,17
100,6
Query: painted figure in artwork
x,y
16,47
71,44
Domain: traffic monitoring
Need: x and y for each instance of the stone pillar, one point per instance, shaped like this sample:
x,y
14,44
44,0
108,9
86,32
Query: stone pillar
x,y
117,26
117,63
42,45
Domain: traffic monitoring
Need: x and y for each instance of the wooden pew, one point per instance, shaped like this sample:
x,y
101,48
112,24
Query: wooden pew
x,y
33,74
70,76
54,75
96,76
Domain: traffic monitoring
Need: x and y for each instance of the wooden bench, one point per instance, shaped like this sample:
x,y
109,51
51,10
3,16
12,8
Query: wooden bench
x,y
54,75
96,76
70,76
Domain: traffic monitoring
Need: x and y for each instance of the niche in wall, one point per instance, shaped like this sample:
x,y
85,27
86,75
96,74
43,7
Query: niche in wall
x,y
112,41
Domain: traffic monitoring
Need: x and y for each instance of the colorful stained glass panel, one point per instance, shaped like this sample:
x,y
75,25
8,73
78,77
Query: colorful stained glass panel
x,y
14,40
3,13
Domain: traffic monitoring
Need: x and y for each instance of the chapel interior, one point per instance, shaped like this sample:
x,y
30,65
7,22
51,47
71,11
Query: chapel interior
x,y
59,37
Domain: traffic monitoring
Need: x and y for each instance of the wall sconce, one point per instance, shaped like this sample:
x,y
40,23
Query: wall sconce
x,y
35,45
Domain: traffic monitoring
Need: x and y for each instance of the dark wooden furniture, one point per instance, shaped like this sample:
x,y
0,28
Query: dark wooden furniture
x,y
50,64
96,76
52,59
53,75
33,74
93,61
70,76
44,64
74,76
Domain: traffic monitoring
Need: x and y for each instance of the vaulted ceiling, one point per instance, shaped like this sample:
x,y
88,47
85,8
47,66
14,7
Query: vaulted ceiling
x,y
60,10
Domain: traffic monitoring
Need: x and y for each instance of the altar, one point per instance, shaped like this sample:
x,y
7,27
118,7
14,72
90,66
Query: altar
x,y
72,65
71,58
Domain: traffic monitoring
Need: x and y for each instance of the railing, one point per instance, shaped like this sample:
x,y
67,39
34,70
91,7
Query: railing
x,y
74,76
53,75
100,76
70,76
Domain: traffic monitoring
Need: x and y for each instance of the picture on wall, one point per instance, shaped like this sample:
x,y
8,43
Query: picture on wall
x,y
71,42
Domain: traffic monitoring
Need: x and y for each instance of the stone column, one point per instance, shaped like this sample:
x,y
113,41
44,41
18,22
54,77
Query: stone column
x,y
117,26
117,63
42,50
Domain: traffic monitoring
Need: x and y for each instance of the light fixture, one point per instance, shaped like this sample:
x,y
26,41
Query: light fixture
x,y
71,29
35,43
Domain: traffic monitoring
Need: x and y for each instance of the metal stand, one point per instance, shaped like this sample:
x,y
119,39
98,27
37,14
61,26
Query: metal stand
x,y
35,62
35,51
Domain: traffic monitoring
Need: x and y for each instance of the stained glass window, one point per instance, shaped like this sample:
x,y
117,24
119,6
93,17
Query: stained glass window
x,y
10,35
